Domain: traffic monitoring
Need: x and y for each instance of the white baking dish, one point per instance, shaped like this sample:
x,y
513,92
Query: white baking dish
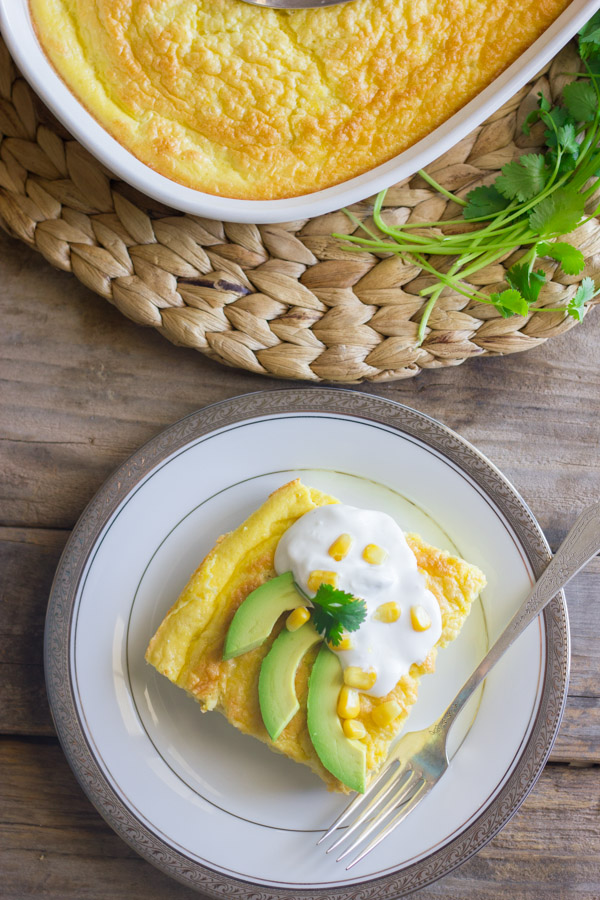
x,y
22,42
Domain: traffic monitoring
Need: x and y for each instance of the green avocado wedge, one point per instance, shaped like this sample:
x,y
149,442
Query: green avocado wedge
x,y
344,758
254,619
276,682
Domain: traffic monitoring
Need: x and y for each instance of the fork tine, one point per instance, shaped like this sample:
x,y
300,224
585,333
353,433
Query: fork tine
x,y
419,794
354,804
383,813
398,780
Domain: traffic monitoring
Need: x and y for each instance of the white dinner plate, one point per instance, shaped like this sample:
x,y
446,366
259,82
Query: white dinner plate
x,y
20,36
215,808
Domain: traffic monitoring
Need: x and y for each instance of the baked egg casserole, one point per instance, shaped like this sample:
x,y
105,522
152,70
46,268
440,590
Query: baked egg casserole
x,y
260,104
246,638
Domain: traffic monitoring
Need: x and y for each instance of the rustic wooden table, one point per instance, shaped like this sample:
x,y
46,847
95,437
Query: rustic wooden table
x,y
81,388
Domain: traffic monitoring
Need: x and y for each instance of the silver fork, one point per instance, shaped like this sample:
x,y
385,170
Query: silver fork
x,y
420,757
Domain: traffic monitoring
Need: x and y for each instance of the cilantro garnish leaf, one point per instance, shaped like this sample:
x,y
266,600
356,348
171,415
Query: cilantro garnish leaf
x,y
484,202
527,283
580,101
557,213
336,611
584,293
510,302
544,105
567,161
531,119
522,179
593,61
589,37
567,139
555,118
570,258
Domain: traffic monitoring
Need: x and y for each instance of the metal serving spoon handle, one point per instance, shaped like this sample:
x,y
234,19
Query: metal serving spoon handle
x,y
580,545
296,4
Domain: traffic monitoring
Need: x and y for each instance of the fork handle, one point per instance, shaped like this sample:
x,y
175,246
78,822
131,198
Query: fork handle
x,y
580,545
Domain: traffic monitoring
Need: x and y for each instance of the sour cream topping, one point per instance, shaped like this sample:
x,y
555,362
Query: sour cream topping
x,y
387,648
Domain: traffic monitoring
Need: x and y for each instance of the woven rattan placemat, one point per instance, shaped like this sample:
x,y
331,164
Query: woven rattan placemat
x,y
283,300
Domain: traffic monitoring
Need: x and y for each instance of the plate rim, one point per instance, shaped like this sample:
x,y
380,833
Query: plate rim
x,y
359,405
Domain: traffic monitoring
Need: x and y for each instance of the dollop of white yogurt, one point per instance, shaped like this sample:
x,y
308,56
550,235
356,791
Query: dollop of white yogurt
x,y
388,648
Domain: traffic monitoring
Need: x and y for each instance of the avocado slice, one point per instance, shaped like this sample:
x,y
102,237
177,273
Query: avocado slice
x,y
255,617
344,758
276,682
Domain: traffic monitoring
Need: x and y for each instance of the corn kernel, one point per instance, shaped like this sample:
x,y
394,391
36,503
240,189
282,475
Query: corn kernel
x,y
385,713
319,577
420,618
340,547
387,612
374,554
348,706
356,677
297,618
354,729
344,644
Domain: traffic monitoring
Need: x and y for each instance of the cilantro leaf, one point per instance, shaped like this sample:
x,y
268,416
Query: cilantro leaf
x,y
567,162
484,202
592,37
531,119
510,302
583,295
544,105
575,310
570,258
558,213
593,60
556,117
580,101
567,139
591,25
527,283
522,179
589,37
557,135
336,611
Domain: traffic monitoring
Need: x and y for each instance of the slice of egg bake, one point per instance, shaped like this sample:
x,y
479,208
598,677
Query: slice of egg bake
x,y
258,104
248,634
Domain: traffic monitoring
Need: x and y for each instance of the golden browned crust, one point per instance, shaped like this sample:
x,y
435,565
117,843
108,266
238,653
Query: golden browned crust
x,y
188,646
257,103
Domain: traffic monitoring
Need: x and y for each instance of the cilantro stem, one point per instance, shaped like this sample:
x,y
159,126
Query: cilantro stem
x,y
441,190
430,249
356,221
427,312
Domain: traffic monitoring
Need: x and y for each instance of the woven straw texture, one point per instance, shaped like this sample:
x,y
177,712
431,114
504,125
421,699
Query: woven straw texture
x,y
283,300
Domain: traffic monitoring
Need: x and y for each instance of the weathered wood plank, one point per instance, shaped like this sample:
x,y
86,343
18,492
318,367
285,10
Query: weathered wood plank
x,y
53,842
28,558
83,387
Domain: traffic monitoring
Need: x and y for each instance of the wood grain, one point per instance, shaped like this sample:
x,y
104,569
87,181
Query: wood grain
x,y
53,843
28,558
80,388
83,387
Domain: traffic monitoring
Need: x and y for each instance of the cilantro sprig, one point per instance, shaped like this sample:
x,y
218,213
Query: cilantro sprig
x,y
533,204
335,612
